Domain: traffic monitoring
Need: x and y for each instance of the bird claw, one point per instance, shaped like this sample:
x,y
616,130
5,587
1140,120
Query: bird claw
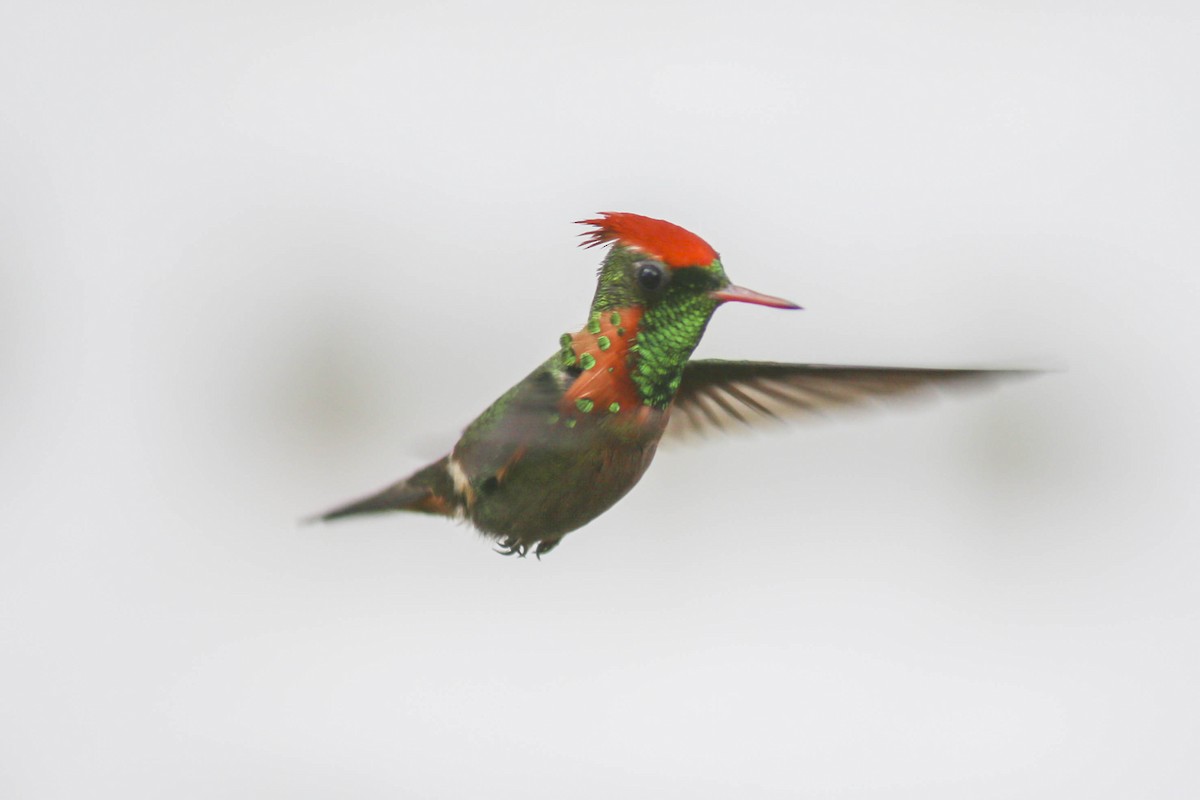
x,y
509,546
545,546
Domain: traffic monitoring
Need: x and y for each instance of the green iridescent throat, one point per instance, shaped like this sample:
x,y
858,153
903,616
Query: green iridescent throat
x,y
667,335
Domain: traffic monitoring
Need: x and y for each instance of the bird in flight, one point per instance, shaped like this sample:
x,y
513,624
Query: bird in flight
x,y
574,436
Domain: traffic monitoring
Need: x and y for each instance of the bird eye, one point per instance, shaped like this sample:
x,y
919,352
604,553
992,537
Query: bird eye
x,y
650,275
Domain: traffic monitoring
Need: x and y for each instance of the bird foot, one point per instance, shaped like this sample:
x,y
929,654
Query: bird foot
x,y
510,545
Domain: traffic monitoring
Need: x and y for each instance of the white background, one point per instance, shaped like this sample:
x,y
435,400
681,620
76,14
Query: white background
x,y
259,257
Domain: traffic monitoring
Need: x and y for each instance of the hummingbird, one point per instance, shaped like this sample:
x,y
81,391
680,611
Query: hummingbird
x,y
570,439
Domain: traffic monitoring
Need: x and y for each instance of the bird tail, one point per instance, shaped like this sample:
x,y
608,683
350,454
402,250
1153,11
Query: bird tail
x,y
428,491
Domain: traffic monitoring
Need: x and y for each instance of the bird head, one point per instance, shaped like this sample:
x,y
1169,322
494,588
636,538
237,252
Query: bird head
x,y
654,262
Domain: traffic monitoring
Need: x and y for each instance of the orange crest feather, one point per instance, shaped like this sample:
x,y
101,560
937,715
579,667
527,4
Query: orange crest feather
x,y
671,244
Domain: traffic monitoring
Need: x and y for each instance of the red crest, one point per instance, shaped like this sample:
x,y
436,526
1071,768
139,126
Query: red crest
x,y
671,244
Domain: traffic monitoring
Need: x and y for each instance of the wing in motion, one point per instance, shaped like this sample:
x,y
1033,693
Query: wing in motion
x,y
714,393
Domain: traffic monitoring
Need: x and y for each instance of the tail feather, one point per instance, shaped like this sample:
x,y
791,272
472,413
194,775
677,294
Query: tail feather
x,y
428,491
396,497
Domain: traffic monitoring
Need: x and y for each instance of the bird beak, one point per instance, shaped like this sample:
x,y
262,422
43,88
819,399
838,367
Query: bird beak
x,y
738,294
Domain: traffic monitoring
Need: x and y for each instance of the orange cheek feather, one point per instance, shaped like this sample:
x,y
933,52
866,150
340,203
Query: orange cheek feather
x,y
606,382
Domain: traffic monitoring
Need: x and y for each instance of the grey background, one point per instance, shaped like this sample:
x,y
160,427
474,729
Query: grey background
x,y
259,257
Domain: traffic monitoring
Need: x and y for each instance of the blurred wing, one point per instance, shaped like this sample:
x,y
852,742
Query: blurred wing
x,y
716,394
